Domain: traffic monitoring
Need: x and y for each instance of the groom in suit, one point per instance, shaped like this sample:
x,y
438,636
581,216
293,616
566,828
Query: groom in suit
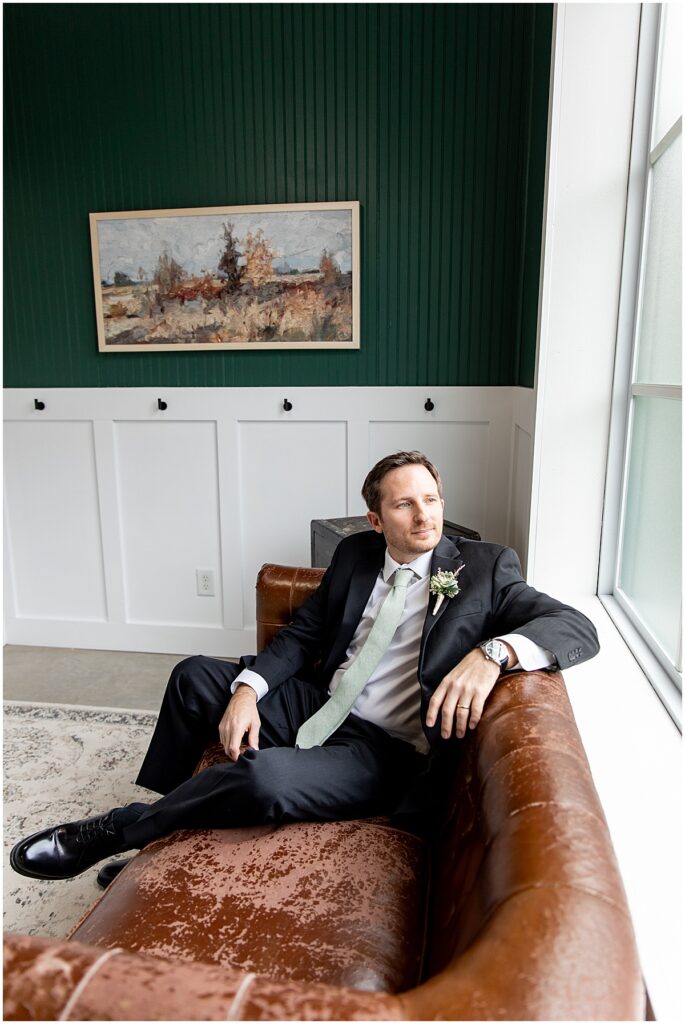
x,y
388,664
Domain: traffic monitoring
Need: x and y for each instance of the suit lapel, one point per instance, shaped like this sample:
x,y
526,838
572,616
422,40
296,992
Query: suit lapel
x,y
362,579
446,557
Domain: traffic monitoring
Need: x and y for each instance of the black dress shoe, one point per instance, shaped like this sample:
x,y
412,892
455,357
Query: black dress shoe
x,y
66,850
111,870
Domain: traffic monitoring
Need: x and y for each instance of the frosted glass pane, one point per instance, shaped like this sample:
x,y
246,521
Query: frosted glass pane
x,y
660,331
650,569
669,97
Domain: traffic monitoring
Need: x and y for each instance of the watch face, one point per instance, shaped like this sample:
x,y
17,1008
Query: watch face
x,y
497,651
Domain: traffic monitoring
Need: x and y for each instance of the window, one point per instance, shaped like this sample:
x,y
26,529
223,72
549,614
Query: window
x,y
641,566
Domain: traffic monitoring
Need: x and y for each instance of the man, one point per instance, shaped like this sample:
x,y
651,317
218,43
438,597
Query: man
x,y
391,660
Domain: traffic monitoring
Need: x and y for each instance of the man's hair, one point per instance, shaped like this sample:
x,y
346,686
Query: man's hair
x,y
371,491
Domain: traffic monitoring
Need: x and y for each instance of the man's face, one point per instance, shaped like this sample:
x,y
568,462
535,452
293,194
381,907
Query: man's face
x,y
410,516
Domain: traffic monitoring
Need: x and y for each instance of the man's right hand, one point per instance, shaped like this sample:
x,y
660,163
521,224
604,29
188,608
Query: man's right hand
x,y
240,717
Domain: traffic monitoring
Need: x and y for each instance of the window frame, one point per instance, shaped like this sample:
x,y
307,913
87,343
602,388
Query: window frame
x,y
665,678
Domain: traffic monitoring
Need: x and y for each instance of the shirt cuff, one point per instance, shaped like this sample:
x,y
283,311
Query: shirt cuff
x,y
253,679
530,655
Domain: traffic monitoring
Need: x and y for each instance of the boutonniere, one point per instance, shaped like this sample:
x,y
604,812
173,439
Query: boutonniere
x,y
444,584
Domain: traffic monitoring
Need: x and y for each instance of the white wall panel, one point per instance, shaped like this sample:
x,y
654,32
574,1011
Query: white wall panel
x,y
460,452
169,511
53,524
290,473
112,503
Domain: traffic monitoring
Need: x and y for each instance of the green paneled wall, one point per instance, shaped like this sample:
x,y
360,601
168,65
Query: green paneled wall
x,y
434,116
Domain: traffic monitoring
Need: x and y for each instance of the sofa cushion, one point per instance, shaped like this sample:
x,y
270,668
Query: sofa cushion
x,y
342,903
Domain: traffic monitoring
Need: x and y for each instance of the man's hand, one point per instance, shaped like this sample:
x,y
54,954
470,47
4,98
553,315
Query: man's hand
x,y
240,717
463,692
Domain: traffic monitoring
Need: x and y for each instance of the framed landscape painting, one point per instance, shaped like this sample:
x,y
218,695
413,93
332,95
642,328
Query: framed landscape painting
x,y
227,277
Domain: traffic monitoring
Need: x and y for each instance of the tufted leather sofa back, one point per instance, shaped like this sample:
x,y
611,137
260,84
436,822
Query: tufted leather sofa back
x,y
281,589
525,866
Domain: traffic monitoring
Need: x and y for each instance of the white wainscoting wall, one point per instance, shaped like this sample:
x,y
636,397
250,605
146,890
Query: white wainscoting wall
x,y
111,505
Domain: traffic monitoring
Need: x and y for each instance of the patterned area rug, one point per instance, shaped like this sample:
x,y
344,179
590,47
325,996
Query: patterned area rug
x,y
63,762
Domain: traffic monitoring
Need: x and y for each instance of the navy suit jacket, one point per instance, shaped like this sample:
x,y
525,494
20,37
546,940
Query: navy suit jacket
x,y
493,600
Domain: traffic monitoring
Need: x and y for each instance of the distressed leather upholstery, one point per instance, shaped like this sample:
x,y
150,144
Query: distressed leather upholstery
x,y
516,912
343,906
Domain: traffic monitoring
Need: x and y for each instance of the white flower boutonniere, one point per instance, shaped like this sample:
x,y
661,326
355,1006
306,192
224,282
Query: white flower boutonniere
x,y
444,584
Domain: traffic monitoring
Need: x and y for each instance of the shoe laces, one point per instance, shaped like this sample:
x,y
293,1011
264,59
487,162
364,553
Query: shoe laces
x,y
96,828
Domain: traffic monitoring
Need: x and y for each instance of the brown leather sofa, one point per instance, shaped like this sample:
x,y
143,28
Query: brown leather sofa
x,y
515,912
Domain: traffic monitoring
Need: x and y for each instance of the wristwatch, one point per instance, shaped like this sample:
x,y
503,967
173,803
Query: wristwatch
x,y
495,650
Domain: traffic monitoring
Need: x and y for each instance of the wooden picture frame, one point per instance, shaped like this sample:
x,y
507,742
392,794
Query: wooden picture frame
x,y
279,276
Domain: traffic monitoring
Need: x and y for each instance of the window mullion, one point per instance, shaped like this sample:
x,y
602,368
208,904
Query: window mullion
x,y
673,392
629,301
670,136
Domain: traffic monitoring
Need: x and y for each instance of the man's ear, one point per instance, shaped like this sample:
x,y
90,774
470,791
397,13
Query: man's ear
x,y
375,521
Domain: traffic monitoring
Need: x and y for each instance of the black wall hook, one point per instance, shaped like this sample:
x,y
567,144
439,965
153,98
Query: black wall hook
x,y
287,405
38,405
429,406
161,405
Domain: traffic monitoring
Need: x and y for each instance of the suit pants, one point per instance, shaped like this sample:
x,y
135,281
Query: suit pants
x,y
359,771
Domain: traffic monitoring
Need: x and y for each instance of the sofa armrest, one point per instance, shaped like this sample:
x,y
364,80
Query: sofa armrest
x,y
48,979
547,954
530,919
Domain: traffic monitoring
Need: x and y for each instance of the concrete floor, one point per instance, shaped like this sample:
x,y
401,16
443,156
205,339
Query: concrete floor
x,y
113,679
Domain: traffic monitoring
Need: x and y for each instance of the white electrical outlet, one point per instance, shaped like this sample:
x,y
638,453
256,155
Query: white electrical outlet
x,y
205,582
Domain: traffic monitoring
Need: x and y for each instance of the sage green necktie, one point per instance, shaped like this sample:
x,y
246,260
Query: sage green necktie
x,y
333,713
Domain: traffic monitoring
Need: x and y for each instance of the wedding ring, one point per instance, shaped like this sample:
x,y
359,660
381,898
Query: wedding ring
x,y
464,707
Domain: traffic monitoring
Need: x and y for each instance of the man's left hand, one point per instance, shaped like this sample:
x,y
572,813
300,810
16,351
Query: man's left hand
x,y
463,692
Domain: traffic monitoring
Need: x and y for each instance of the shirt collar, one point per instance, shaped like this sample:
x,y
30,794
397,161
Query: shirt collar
x,y
420,565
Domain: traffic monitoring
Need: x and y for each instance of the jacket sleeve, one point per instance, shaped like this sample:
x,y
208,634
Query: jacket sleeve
x,y
519,608
298,644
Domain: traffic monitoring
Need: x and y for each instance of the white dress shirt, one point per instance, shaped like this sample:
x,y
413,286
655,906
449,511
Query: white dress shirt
x,y
392,696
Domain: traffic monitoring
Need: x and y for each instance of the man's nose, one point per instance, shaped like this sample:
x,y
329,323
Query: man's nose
x,y
421,513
